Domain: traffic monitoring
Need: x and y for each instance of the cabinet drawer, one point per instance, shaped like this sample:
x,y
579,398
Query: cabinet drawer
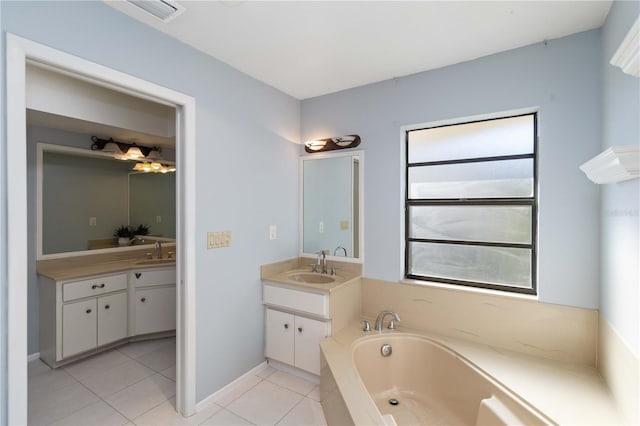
x,y
314,303
93,287
153,277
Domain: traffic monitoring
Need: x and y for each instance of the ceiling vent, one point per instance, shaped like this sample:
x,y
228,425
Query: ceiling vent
x,y
164,10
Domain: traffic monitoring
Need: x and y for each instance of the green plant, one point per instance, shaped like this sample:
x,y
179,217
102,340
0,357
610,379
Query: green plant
x,y
123,231
141,230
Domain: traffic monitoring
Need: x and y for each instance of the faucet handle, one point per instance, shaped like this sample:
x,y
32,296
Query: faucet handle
x,y
314,267
334,268
365,325
170,254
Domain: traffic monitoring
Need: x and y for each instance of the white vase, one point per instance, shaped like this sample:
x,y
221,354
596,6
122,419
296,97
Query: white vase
x,y
123,241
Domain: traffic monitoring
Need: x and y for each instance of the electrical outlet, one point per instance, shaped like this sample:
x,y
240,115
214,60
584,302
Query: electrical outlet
x,y
93,221
273,232
218,239
344,225
158,219
321,227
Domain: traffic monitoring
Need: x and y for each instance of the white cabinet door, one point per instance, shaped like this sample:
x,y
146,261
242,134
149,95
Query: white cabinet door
x,y
79,331
112,318
309,333
279,336
155,310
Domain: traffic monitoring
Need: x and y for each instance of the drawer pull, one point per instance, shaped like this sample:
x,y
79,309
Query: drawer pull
x,y
106,306
144,299
93,287
88,310
286,326
300,329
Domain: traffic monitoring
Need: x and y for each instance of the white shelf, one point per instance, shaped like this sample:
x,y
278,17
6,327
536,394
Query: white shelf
x,y
616,164
627,56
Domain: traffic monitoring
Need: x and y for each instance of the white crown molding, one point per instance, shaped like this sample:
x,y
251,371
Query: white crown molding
x,y
627,56
616,164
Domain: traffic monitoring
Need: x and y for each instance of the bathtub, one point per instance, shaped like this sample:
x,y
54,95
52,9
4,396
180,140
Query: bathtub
x,y
421,383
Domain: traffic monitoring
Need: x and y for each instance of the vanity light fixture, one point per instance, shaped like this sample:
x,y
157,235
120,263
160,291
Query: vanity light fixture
x,y
148,159
330,144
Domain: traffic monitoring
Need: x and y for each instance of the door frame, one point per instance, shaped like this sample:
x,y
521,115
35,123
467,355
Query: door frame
x,y
19,51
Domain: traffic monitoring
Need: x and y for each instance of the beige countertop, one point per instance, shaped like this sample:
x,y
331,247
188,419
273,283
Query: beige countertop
x,y
74,267
569,394
278,273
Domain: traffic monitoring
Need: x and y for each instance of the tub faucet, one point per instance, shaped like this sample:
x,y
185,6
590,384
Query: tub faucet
x,y
344,250
380,320
158,249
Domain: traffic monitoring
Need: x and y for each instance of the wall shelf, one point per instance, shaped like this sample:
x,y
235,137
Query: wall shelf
x,y
616,164
627,56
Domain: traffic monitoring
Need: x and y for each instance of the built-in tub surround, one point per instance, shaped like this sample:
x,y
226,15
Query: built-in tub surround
x,y
515,323
500,386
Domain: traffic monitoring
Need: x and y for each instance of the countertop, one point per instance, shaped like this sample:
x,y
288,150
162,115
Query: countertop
x,y
569,394
74,267
278,273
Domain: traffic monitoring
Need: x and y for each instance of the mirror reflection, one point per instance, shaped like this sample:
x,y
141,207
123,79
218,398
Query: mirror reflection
x,y
331,205
85,198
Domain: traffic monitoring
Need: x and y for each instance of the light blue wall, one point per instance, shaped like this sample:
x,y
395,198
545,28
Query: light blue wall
x,y
244,129
620,208
562,78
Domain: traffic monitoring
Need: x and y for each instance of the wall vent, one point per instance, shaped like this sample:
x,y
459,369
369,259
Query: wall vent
x,y
164,10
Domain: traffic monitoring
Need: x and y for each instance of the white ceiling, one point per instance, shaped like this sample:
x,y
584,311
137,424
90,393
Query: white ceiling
x,y
311,48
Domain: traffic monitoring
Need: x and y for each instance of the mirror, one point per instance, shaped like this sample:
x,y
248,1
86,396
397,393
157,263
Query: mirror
x,y
331,205
85,195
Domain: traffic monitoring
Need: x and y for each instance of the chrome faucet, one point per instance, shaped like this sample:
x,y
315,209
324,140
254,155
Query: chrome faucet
x,y
344,250
322,257
158,249
380,320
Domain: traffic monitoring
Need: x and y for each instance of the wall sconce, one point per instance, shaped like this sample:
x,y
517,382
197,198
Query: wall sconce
x,y
330,144
149,159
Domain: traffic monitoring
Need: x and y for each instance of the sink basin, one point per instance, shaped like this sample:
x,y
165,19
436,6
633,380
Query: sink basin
x,y
156,261
311,278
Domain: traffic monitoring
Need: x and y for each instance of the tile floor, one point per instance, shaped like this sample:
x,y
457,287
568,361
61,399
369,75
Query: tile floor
x,y
135,384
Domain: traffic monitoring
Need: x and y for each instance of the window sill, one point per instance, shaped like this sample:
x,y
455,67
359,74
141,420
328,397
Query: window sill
x,y
472,290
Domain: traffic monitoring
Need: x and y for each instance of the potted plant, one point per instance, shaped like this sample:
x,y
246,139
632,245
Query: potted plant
x,y
141,230
124,234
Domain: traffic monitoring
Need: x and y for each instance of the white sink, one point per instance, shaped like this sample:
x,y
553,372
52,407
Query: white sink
x,y
311,278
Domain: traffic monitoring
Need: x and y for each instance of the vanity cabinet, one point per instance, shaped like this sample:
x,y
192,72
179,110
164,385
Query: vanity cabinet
x,y
295,324
153,301
77,316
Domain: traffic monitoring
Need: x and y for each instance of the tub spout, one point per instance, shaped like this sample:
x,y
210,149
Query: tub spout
x,y
380,319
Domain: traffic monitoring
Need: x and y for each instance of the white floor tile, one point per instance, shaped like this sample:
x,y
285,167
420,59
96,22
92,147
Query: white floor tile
x,y
136,349
236,390
315,393
98,414
169,373
225,418
48,381
265,404
36,367
165,414
48,407
109,381
89,366
160,359
291,382
308,413
142,396
266,372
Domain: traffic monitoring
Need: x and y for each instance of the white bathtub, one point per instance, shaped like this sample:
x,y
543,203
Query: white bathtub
x,y
432,384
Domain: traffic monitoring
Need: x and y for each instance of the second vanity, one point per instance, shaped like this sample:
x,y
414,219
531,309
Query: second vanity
x,y
302,308
89,304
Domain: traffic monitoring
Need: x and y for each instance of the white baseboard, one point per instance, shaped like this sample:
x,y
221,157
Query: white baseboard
x,y
309,377
33,357
208,400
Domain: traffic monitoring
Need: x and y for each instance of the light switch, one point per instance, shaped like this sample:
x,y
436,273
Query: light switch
x,y
158,219
344,224
93,221
218,239
273,232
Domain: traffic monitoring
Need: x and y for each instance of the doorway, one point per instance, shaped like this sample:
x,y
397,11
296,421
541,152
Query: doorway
x,y
19,52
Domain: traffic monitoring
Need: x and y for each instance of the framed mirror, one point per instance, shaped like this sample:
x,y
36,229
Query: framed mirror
x,y
331,205
84,195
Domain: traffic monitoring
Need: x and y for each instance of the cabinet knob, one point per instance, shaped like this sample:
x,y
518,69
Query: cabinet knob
x,y
93,287
88,311
144,299
300,329
286,326
106,306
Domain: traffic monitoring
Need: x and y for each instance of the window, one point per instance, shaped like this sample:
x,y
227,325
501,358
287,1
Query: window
x,y
471,204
